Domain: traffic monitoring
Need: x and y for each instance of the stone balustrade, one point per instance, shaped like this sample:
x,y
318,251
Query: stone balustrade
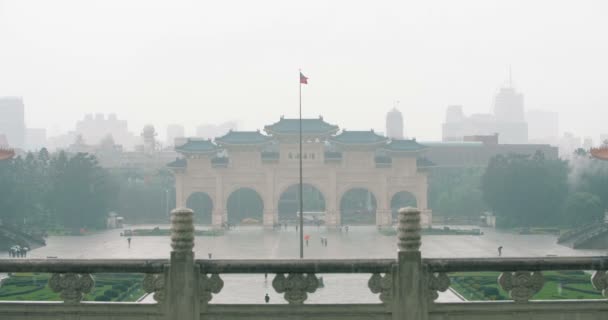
x,y
407,286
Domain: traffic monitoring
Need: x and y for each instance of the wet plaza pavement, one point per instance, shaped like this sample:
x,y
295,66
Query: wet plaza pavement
x,y
257,243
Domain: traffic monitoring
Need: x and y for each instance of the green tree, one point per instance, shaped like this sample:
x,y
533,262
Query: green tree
x,y
525,190
456,192
582,208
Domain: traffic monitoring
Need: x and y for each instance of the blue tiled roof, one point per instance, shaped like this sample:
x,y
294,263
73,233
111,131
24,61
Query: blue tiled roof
x,y
197,146
243,138
309,127
404,145
177,163
359,137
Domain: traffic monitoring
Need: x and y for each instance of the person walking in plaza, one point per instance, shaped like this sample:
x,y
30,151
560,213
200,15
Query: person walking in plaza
x,y
129,241
500,251
267,298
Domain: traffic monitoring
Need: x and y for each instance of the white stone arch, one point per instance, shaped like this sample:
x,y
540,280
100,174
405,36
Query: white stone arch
x,y
347,188
235,188
201,217
393,198
285,186
344,188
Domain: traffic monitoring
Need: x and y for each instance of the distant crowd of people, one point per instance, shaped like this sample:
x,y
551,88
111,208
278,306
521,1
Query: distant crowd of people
x,y
18,252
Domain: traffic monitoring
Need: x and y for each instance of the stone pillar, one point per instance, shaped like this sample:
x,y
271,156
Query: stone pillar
x,y
408,291
383,217
332,218
218,216
182,301
269,219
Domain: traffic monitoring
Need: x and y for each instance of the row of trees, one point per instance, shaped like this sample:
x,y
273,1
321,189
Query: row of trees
x,y
44,191
525,190
60,191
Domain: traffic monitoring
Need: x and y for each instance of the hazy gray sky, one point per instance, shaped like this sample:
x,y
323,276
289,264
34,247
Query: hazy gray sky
x,y
196,62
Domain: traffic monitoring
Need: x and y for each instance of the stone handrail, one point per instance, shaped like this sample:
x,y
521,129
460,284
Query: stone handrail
x,y
516,264
84,266
297,266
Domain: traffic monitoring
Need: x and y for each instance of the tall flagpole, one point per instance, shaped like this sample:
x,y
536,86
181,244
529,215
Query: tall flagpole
x,y
300,157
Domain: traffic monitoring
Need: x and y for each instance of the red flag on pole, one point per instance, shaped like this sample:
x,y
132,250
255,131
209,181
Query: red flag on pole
x,y
303,79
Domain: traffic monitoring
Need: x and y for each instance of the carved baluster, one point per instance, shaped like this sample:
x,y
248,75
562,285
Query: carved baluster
x,y
383,285
209,285
295,286
409,230
155,283
599,280
409,287
436,282
71,286
521,285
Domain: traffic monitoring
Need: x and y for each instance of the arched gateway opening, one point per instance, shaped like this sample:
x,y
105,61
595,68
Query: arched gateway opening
x,y
400,200
202,205
289,204
358,206
245,206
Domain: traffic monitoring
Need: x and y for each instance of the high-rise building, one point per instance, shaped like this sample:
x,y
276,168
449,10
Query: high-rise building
x,y
174,131
148,136
454,114
509,105
507,121
94,129
394,124
12,121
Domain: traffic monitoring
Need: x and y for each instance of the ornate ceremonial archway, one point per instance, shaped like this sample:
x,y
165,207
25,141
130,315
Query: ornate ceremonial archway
x,y
333,163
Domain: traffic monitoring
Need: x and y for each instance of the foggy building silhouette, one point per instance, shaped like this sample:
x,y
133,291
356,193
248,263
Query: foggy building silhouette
x,y
394,124
12,121
94,128
148,136
507,121
509,105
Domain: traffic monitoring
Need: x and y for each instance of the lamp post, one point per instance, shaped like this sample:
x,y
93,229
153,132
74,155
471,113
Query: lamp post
x,y
167,202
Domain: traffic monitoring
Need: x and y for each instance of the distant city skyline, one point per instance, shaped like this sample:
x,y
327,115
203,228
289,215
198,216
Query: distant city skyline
x,y
168,62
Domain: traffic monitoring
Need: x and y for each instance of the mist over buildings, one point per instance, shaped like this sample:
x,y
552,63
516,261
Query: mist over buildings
x,y
191,63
